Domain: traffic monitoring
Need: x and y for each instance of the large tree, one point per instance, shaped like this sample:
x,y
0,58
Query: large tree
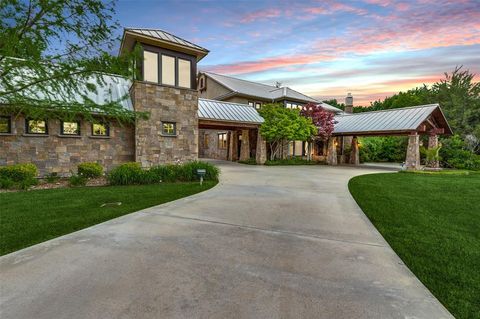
x,y
282,125
323,120
53,55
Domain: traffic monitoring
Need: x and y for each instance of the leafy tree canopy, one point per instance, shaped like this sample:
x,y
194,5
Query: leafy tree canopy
x,y
53,54
323,120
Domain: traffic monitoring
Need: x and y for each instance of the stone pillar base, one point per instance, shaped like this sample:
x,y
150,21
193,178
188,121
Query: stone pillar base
x,y
261,156
332,151
245,148
354,152
412,162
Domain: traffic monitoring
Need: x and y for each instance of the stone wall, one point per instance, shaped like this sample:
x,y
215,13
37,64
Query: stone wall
x,y
208,145
61,154
167,104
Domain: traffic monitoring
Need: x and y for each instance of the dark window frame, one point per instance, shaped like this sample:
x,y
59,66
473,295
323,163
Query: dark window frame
x,y
107,129
9,124
174,128
158,66
258,105
176,55
62,130
220,146
251,103
27,127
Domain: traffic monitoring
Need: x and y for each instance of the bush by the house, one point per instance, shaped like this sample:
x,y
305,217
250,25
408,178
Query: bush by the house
x,y
454,154
18,176
90,170
250,161
132,173
52,177
291,161
77,180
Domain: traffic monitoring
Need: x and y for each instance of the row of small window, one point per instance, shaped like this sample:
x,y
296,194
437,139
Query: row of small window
x,y
172,71
289,105
257,105
40,127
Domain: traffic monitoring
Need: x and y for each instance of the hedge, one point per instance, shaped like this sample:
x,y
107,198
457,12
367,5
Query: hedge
x,y
18,176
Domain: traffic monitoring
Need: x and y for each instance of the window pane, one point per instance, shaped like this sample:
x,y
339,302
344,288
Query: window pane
x,y
168,128
150,66
71,128
99,129
5,125
184,74
251,103
168,70
37,127
258,105
222,140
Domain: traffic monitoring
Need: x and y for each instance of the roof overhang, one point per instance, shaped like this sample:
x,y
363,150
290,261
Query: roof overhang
x,y
130,38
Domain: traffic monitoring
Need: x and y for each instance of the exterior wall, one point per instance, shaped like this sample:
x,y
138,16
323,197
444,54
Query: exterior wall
x,y
208,144
167,104
61,154
214,89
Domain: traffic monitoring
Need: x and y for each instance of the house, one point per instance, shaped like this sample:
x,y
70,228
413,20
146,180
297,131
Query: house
x,y
210,115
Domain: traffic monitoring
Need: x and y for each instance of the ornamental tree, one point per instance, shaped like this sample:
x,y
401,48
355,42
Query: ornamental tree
x,y
323,120
54,54
282,125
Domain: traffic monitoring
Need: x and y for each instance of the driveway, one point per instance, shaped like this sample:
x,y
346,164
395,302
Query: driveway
x,y
267,242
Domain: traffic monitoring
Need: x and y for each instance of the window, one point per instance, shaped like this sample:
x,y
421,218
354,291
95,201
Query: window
x,y
5,124
258,105
222,140
168,70
289,105
252,104
36,127
150,66
169,128
184,73
205,140
100,129
70,128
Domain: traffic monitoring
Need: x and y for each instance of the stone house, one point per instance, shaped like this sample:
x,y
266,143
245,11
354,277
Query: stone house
x,y
208,115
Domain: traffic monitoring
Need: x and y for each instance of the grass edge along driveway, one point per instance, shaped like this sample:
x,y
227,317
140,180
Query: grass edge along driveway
x,y
432,222
31,217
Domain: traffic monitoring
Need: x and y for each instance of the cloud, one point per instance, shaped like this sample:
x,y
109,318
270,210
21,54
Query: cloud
x,y
264,14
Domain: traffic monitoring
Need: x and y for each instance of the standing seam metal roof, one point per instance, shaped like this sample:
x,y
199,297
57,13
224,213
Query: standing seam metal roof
x,y
403,119
227,111
165,36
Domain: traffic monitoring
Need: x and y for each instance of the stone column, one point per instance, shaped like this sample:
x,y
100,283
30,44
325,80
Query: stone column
x,y
261,156
354,152
332,151
245,148
412,162
233,145
433,143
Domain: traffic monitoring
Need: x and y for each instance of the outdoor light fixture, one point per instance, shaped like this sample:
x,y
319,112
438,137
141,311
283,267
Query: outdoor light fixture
x,y
201,173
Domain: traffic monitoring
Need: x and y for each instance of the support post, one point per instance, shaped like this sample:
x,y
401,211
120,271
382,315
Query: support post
x,y
412,162
332,151
245,148
433,143
233,144
261,154
354,152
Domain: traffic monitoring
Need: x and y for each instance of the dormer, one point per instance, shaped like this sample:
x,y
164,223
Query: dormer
x,y
167,59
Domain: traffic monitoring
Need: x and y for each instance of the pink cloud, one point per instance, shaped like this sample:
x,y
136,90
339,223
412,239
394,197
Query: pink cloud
x,y
261,15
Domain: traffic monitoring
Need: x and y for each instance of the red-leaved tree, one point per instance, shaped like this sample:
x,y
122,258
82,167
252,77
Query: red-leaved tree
x,y
321,118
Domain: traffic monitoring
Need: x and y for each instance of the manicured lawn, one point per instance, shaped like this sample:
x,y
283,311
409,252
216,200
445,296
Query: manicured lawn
x,y
432,221
28,218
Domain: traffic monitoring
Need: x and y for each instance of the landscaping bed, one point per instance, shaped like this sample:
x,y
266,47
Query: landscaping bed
x,y
432,221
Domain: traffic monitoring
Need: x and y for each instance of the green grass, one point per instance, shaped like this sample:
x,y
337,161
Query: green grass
x,y
432,221
31,217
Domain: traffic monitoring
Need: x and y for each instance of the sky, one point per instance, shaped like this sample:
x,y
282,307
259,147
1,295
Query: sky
x,y
326,48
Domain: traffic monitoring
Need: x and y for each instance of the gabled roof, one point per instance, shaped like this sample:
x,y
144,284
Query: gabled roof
x,y
227,112
161,36
263,91
392,121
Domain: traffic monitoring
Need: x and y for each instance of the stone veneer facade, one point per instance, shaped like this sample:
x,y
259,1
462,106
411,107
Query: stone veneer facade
x,y
208,144
60,153
165,104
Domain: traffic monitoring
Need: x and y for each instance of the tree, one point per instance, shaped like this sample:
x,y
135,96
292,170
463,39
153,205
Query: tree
x,y
53,54
323,120
282,125
334,102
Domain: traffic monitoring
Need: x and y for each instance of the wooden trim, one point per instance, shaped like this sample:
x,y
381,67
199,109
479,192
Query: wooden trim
x,y
224,125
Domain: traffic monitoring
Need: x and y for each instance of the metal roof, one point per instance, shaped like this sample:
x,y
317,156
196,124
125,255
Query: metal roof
x,y
395,120
227,112
165,36
263,91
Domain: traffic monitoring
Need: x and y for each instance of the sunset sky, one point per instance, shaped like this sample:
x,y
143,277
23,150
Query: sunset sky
x,y
372,48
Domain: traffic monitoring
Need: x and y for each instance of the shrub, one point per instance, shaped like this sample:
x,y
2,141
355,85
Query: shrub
x,y
250,161
77,180
52,177
291,161
454,153
126,174
18,176
90,170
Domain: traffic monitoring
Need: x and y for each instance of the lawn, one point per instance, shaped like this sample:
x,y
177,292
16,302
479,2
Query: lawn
x,y
31,217
432,221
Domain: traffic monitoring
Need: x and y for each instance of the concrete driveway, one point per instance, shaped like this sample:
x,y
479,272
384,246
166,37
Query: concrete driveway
x,y
267,242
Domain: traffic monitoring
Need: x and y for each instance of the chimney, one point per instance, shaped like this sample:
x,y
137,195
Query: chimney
x,y
349,103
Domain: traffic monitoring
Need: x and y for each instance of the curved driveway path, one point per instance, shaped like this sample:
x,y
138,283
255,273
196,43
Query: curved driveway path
x,y
267,242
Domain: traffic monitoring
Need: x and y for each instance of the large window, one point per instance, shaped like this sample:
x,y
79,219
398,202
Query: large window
x,y
5,124
222,140
150,66
100,129
184,73
169,128
36,127
168,70
70,128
